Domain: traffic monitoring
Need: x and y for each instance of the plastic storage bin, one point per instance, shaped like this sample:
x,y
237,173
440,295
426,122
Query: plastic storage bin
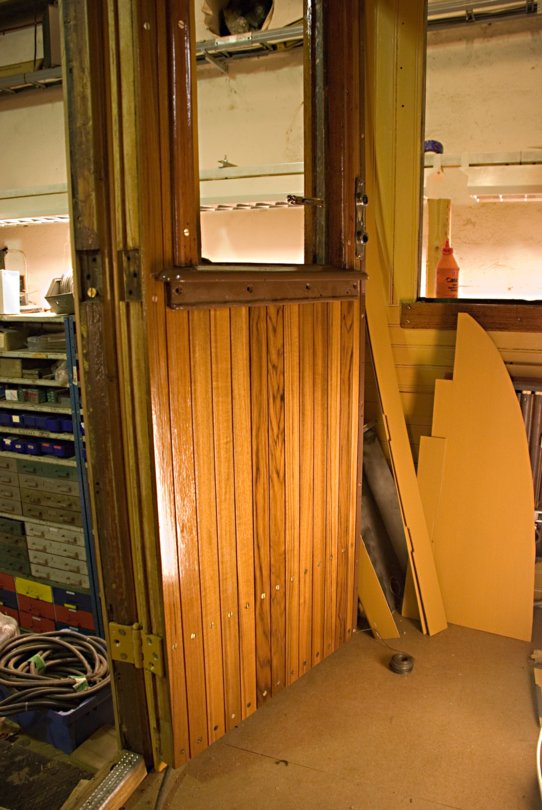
x,y
67,730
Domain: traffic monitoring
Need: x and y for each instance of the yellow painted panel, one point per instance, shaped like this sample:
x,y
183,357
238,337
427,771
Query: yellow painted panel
x,y
443,408
484,537
420,337
420,378
430,603
430,469
435,355
418,407
372,598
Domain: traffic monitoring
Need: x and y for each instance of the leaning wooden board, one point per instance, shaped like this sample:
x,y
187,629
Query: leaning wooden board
x,y
476,483
422,565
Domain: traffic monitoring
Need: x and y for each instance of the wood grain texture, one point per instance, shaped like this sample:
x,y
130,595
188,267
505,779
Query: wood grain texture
x,y
346,484
261,495
319,480
184,482
292,492
306,481
332,473
500,317
87,91
200,360
244,525
225,513
151,214
277,515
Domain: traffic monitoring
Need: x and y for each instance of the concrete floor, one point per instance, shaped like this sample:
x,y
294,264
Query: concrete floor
x,y
459,732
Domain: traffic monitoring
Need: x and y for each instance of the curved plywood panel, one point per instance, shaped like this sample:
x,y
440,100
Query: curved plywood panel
x,y
482,524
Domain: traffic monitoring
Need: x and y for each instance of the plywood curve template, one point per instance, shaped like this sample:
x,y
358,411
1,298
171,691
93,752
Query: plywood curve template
x,y
475,480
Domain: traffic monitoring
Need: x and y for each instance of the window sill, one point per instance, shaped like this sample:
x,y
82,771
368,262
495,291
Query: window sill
x,y
502,316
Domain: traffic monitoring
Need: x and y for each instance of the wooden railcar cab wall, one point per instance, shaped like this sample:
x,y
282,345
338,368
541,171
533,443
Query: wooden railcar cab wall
x,y
223,404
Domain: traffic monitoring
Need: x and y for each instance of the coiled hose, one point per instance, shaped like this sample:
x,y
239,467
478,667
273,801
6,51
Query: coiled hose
x,y
55,670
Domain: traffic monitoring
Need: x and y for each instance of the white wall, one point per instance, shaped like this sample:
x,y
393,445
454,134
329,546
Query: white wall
x,y
484,94
44,250
33,149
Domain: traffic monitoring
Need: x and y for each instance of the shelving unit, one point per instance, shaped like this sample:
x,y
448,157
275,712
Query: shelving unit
x,y
47,564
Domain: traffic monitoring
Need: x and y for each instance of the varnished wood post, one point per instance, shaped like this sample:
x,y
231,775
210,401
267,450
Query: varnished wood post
x,y
92,223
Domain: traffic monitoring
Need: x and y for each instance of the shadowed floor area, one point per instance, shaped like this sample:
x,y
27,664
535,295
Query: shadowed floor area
x,y
459,731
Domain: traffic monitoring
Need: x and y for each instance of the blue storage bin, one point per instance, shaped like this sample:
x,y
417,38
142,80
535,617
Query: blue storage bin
x,y
29,420
67,730
5,418
33,448
52,423
19,445
41,422
73,599
66,425
8,442
8,599
63,449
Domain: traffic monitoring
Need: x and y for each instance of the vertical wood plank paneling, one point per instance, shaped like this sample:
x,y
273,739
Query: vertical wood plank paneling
x,y
345,481
187,528
306,479
355,470
334,449
260,467
292,494
242,462
277,517
319,488
200,359
225,512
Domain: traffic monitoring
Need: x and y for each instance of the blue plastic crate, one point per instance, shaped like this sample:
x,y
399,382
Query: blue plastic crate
x,y
67,730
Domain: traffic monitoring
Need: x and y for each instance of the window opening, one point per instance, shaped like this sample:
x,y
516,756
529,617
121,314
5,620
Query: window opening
x,y
250,75
483,191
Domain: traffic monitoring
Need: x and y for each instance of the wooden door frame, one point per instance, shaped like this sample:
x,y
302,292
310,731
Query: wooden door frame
x,y
112,160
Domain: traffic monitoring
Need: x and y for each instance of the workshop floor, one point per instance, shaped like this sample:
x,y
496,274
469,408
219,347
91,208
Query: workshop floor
x,y
459,731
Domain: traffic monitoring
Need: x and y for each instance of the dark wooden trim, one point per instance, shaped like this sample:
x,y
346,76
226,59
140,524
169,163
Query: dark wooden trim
x,y
259,284
184,190
501,317
92,227
315,124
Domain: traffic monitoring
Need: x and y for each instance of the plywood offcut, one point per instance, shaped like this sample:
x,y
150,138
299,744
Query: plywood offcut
x,y
373,600
481,512
426,585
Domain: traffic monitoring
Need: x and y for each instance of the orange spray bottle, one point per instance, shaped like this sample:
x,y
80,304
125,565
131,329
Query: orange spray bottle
x,y
447,273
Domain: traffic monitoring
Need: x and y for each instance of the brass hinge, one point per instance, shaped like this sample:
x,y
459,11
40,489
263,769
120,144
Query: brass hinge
x,y
131,269
130,645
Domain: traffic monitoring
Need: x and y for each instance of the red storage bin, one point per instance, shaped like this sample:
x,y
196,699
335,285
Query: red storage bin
x,y
36,607
36,623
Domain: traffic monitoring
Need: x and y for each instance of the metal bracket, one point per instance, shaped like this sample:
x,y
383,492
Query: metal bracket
x,y
253,285
538,516
295,199
362,237
89,263
131,268
131,646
